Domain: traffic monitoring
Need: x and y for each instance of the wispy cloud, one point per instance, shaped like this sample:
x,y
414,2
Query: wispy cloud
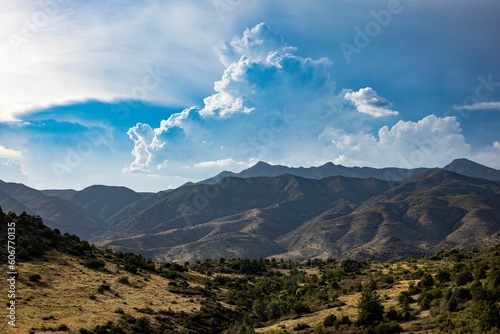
x,y
92,50
480,106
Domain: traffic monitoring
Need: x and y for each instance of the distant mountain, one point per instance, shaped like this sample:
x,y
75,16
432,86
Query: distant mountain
x,y
283,212
473,169
293,217
85,213
460,166
66,216
9,203
20,192
432,211
236,217
102,202
66,194
329,169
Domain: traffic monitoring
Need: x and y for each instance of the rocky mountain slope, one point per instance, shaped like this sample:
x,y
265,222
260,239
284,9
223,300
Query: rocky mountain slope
x,y
266,211
292,217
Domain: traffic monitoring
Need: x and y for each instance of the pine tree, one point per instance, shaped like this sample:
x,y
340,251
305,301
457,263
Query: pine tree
x,y
370,308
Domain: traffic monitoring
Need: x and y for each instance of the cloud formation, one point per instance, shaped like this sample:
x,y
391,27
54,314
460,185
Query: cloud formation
x,y
480,106
57,52
264,93
367,101
274,105
117,67
9,153
430,142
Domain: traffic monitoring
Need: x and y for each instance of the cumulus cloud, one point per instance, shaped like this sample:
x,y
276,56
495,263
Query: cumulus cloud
x,y
367,101
264,93
480,106
274,105
255,43
431,142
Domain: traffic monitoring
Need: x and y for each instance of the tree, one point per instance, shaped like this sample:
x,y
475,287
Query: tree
x,y
370,308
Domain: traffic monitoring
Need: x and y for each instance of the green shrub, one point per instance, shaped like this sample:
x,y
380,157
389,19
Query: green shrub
x,y
62,327
123,280
34,278
388,328
300,326
103,287
463,277
330,320
370,308
132,269
95,264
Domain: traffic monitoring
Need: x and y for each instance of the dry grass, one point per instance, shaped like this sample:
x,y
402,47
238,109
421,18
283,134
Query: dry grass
x,y
63,295
389,299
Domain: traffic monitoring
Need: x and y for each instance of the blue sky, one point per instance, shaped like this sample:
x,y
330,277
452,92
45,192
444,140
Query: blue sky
x,y
152,94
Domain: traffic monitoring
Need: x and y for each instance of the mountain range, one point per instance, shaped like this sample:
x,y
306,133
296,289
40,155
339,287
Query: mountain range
x,y
278,211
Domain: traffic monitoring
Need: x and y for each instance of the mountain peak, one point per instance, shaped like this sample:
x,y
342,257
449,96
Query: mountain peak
x,y
473,169
261,164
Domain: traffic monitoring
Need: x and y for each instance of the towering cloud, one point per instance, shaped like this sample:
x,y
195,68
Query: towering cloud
x,y
266,96
274,105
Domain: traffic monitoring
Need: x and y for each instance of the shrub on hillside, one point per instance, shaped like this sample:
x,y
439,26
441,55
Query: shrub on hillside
x,y
34,278
94,264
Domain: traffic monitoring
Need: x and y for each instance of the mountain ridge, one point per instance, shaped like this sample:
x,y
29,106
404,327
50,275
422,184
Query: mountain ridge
x,y
261,168
295,216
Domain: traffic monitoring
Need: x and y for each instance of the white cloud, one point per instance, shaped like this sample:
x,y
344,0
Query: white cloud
x,y
367,101
9,153
256,43
489,156
259,103
430,142
480,106
75,51
282,107
228,164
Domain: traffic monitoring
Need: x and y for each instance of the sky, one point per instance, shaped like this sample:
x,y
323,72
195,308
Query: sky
x,y
153,94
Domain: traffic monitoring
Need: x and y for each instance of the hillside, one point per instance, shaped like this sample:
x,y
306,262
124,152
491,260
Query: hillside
x,y
66,285
293,217
243,220
472,169
86,213
432,211
295,213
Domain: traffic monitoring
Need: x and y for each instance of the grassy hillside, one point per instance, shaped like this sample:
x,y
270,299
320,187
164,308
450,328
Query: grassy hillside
x,y
66,285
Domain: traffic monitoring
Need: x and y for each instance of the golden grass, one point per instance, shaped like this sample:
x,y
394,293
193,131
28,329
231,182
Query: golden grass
x,y
63,295
350,309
